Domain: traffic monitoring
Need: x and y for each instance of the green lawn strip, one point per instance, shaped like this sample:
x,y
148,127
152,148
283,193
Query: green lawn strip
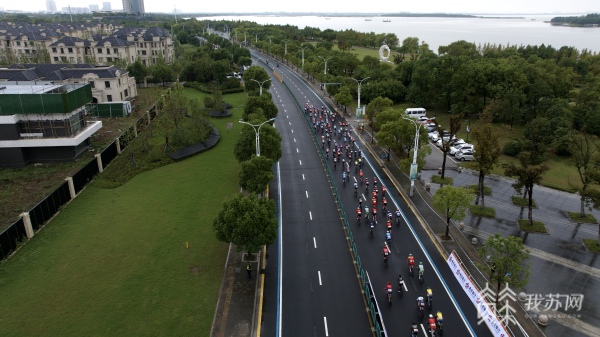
x,y
114,262
592,245
588,218
536,227
487,212
523,202
486,189
438,180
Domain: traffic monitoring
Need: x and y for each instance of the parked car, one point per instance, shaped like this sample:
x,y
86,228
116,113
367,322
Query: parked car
x,y
460,147
430,127
445,138
466,155
434,136
422,119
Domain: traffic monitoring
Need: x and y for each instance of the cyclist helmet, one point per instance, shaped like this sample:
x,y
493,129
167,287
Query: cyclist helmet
x,y
409,254
420,263
430,316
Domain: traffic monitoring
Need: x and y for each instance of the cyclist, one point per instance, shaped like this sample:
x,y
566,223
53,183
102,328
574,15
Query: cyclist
x,y
374,203
388,237
359,202
383,190
429,297
367,184
432,325
414,329
327,153
411,263
355,189
420,303
400,283
421,270
374,182
398,214
388,290
440,321
358,213
385,252
344,178
366,211
389,225
389,214
384,202
360,174
334,162
375,215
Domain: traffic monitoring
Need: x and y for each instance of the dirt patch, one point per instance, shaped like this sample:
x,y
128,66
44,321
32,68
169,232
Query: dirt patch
x,y
194,270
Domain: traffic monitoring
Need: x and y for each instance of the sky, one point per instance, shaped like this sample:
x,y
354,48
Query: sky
x,y
349,6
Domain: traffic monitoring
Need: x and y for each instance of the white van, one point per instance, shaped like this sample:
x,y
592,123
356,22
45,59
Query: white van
x,y
415,112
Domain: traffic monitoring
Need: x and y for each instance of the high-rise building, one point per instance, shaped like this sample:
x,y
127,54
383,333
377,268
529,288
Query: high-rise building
x,y
94,8
50,6
134,7
106,6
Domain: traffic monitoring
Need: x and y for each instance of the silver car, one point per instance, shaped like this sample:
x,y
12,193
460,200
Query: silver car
x,y
465,155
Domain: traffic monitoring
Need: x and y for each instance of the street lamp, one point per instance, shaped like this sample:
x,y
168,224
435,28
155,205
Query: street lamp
x,y
303,56
257,132
285,44
260,83
468,129
359,82
325,60
414,166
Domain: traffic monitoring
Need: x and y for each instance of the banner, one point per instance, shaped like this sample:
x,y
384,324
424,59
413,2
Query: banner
x,y
483,309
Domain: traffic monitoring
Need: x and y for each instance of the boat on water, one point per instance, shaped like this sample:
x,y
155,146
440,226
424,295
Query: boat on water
x,y
387,20
368,20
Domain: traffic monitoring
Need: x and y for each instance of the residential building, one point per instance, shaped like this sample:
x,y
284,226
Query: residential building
x,y
108,84
94,8
50,6
93,43
106,7
135,7
44,122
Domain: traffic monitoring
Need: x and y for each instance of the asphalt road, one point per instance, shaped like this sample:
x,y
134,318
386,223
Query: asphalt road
x,y
308,211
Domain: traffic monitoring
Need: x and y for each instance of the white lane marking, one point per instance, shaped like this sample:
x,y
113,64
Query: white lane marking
x,y
355,179
320,283
405,288
300,161
310,214
290,123
306,194
303,176
286,116
363,195
292,130
297,151
326,330
294,140
315,241
424,331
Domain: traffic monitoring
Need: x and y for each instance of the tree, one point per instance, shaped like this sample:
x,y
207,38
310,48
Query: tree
x,y
507,258
253,103
138,70
448,138
256,173
162,72
585,159
453,202
486,156
247,222
270,143
376,106
256,73
343,97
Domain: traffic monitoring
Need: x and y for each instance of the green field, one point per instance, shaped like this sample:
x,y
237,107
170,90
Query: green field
x,y
114,261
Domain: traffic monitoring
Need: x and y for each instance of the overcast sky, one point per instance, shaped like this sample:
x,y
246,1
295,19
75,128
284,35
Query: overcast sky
x,y
252,6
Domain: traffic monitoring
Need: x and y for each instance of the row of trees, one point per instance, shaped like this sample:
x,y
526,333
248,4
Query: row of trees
x,y
246,219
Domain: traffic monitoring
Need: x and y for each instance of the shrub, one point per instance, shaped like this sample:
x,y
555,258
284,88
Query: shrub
x,y
512,148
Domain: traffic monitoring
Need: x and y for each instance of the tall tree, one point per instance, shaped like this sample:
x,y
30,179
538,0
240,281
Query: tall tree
x,y
585,159
376,106
449,138
508,261
343,97
247,222
270,143
486,155
453,202
256,173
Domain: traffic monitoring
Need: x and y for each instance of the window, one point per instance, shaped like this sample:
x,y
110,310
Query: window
x,y
55,59
26,51
25,43
107,84
70,50
62,50
121,95
126,93
99,50
109,59
72,59
101,59
53,50
109,98
108,51
115,50
119,81
18,43
143,52
93,84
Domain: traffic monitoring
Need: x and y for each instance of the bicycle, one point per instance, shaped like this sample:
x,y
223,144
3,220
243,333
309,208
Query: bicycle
x,y
421,278
389,295
371,230
440,322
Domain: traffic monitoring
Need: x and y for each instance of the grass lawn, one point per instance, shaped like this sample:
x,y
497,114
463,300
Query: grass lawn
x,y
588,218
114,262
486,189
523,202
488,212
536,227
592,245
438,180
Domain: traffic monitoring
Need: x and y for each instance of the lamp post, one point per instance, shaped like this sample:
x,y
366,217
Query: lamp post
x,y
285,44
270,43
359,82
468,129
325,60
256,41
260,83
303,56
257,132
414,166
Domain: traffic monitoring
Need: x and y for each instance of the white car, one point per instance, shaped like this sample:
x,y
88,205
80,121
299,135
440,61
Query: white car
x,y
460,147
466,155
434,136
445,139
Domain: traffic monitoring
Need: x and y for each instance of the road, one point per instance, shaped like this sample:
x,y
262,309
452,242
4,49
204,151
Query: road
x,y
309,211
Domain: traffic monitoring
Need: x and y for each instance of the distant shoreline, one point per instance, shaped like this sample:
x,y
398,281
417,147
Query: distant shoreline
x,y
342,15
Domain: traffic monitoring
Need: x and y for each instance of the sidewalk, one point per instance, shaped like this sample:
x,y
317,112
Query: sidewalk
x,y
237,305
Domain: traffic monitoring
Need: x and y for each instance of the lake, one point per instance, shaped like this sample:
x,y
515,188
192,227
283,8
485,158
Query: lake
x,y
528,30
